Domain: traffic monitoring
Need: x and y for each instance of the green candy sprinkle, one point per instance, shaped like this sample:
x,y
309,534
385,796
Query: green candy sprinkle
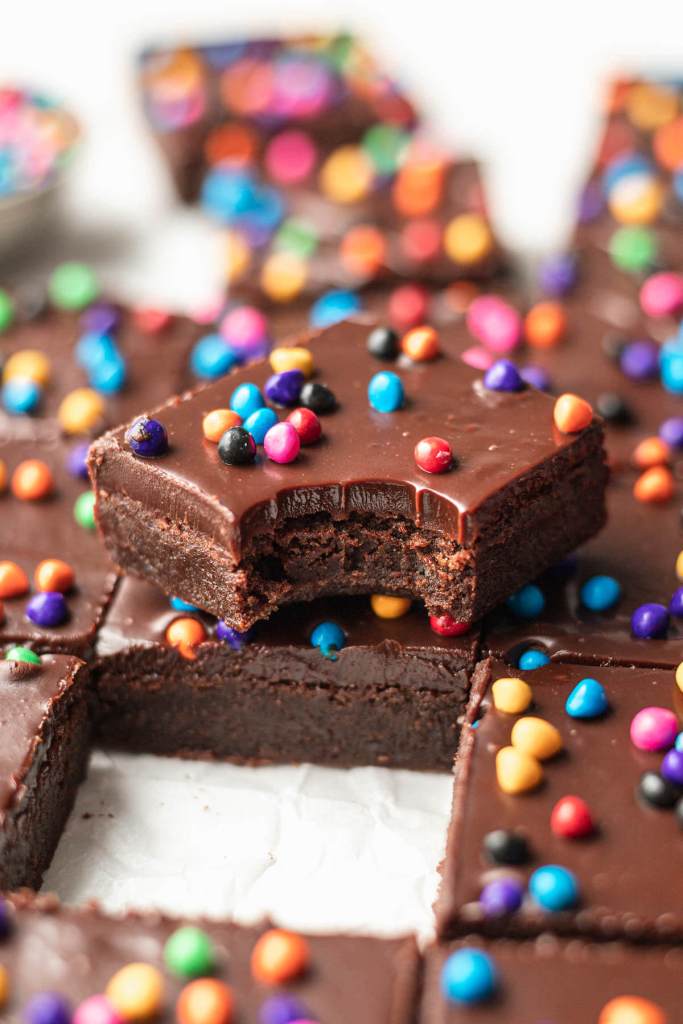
x,y
385,145
84,510
633,249
189,952
73,286
23,654
298,237
6,310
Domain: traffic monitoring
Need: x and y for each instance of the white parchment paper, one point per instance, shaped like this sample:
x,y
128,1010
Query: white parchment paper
x,y
317,849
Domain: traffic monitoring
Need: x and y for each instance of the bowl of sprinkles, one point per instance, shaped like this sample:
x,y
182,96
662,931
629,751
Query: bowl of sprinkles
x,y
38,139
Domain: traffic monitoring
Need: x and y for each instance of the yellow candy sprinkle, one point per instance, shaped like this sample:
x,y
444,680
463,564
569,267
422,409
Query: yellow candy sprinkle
x,y
386,607
679,565
3,475
237,256
4,985
283,275
536,737
346,175
651,106
30,363
136,991
516,771
511,695
636,199
294,358
468,238
679,677
81,411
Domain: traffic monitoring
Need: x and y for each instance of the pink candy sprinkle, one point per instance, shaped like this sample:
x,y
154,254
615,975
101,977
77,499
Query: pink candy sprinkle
x,y
478,358
290,157
282,443
654,729
244,327
495,323
662,294
96,1010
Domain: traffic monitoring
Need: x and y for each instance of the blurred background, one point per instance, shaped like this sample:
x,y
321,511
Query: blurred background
x,y
516,84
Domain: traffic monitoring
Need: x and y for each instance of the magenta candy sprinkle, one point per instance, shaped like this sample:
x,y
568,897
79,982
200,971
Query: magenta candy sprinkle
x,y
654,728
282,443
662,294
96,1010
495,323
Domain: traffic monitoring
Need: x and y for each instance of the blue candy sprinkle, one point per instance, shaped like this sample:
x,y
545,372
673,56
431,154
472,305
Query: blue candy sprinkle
x,y
469,976
231,636
259,423
385,391
600,593
528,602
109,375
246,399
503,376
334,306
532,659
329,638
94,347
211,357
650,621
671,365
587,700
178,605
623,167
20,395
554,888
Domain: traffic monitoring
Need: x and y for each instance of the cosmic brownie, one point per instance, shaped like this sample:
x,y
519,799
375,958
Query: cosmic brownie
x,y
567,807
379,503
618,601
262,102
77,364
388,691
45,744
149,965
55,578
551,980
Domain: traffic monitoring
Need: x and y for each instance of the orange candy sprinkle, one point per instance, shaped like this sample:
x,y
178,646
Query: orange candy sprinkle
x,y
668,144
652,451
572,413
363,250
654,485
421,344
53,574
13,580
231,143
632,1010
216,422
545,324
279,956
418,187
32,480
205,1001
185,634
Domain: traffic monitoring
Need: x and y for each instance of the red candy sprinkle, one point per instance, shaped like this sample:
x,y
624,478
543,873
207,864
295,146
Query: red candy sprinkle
x,y
445,625
306,424
433,454
571,818
407,306
151,321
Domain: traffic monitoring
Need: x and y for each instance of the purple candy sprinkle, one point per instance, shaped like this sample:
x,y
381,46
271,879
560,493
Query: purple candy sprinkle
x,y
47,1008
47,609
284,388
639,360
231,636
100,317
650,621
76,461
671,431
558,274
672,767
147,437
502,896
282,1009
536,377
503,376
676,603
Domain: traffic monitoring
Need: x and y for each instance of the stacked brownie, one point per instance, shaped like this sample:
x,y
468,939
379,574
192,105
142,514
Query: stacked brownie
x,y
357,550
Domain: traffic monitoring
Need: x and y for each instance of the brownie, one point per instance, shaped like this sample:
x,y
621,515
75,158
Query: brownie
x,y
225,102
354,513
638,548
34,530
393,696
45,744
75,952
557,981
625,870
